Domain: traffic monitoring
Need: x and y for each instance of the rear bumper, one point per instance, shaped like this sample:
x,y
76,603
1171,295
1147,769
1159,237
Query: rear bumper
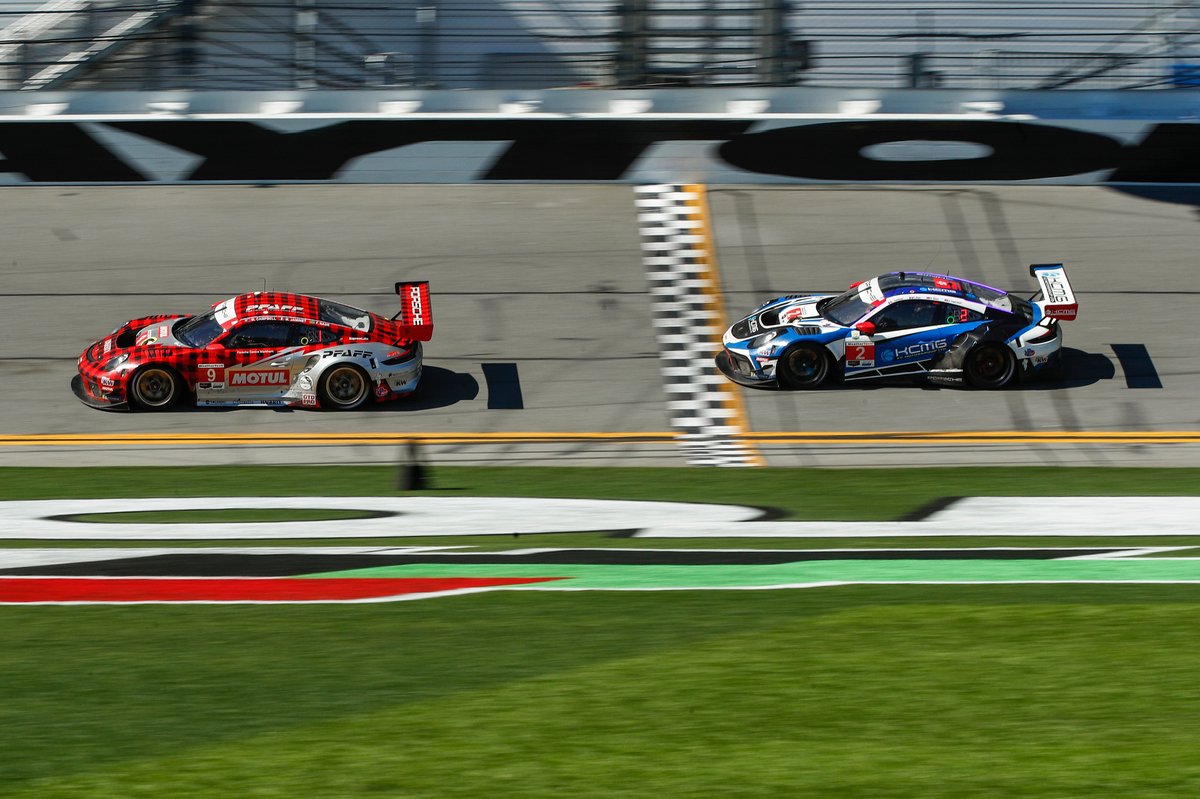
x,y
81,393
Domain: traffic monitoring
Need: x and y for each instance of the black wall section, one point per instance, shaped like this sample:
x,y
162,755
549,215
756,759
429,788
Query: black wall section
x,y
60,152
1169,154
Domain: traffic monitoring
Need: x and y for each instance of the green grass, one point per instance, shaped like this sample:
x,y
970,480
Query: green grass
x,y
877,692
872,692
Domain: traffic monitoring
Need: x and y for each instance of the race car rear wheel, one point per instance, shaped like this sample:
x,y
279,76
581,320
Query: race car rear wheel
x,y
344,388
803,366
991,365
155,388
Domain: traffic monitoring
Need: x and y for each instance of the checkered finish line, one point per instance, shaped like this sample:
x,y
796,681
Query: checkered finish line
x,y
677,249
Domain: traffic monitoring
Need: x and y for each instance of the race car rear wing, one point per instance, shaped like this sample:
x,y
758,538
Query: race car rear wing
x,y
416,311
1056,297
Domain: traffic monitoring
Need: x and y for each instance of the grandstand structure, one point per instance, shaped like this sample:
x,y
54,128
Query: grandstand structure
x,y
538,44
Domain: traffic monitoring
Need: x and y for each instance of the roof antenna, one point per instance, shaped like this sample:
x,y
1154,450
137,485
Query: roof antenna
x,y
934,258
264,280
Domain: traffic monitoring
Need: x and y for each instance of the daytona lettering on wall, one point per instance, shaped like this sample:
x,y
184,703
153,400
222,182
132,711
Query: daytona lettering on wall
x,y
242,150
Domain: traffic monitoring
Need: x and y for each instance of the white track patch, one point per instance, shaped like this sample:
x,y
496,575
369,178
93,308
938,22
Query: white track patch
x,y
688,323
977,516
400,516
448,516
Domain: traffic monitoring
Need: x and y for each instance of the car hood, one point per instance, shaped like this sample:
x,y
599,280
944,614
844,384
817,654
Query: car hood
x,y
780,312
158,333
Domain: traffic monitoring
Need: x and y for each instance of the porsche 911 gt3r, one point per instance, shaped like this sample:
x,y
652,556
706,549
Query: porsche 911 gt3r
x,y
949,330
263,348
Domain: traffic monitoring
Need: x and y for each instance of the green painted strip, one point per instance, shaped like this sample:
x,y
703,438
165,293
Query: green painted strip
x,y
850,571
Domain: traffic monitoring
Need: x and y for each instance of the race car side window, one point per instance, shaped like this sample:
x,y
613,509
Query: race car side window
x,y
957,314
922,313
906,314
258,335
301,335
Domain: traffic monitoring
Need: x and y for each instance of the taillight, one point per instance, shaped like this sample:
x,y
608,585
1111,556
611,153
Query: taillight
x,y
1051,332
398,356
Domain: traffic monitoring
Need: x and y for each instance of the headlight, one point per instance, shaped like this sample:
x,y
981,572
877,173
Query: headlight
x,y
114,362
764,339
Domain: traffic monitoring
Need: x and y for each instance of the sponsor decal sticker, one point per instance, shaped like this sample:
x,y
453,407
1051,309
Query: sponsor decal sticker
x,y
943,283
308,399
260,377
415,307
382,390
919,349
272,306
213,373
860,354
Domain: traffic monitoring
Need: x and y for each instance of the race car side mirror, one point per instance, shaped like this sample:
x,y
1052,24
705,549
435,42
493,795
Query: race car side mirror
x,y
866,328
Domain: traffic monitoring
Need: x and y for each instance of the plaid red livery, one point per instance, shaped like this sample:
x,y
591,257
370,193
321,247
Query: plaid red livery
x,y
264,348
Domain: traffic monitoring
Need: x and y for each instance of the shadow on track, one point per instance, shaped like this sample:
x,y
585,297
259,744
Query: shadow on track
x,y
1079,369
439,388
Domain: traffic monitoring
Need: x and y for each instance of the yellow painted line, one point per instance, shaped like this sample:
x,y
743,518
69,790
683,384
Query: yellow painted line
x,y
731,395
833,438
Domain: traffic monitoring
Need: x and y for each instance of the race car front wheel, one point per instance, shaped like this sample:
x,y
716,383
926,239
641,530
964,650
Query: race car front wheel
x,y
803,366
155,388
344,388
990,365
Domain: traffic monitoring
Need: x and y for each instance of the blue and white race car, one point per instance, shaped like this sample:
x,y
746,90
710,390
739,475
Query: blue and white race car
x,y
949,330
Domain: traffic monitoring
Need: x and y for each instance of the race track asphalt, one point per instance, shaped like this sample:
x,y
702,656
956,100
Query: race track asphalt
x,y
542,317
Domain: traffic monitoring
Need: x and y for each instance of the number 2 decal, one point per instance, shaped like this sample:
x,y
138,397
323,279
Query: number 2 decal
x,y
860,355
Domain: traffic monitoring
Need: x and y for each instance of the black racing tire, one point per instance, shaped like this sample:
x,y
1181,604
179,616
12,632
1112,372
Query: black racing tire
x,y
155,387
990,365
344,387
803,366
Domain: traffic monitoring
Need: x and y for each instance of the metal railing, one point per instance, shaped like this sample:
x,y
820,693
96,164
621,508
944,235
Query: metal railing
x,y
265,44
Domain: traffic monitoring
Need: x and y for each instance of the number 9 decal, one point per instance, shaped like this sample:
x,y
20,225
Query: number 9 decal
x,y
212,374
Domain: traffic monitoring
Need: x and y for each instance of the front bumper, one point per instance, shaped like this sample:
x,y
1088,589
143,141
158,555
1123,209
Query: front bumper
x,y
726,367
81,393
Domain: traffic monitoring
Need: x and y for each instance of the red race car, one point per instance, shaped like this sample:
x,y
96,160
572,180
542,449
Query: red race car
x,y
265,349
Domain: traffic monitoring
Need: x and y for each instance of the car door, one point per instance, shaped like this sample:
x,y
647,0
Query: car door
x,y
262,367
911,332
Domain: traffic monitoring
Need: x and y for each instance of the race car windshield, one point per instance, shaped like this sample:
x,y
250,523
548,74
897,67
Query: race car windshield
x,y
199,331
338,314
846,308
